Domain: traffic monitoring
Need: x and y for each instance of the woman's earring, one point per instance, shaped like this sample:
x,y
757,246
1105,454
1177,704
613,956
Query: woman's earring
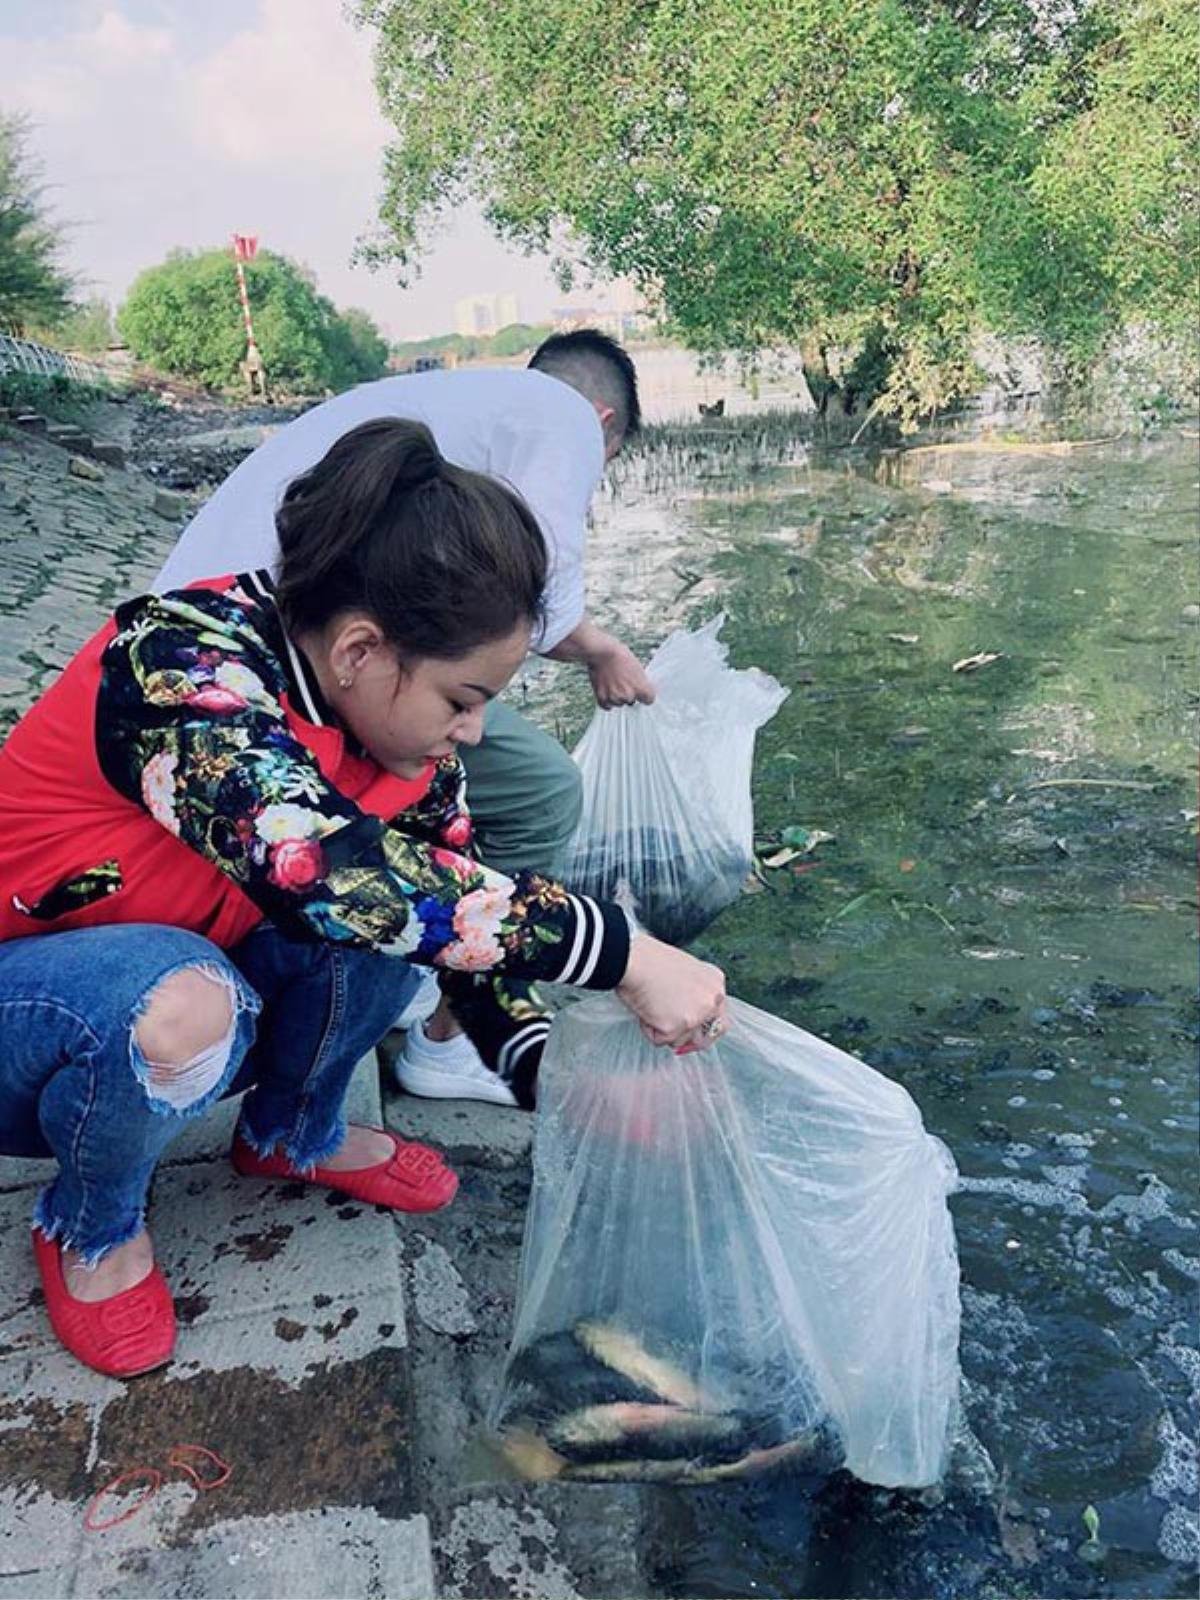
x,y
345,683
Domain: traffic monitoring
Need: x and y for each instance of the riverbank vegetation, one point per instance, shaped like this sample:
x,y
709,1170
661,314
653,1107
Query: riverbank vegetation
x,y
35,289
182,317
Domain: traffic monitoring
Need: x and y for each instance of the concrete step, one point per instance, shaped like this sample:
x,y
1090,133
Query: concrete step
x,y
109,452
292,1364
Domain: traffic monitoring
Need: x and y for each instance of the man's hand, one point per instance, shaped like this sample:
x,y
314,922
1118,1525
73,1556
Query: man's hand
x,y
618,677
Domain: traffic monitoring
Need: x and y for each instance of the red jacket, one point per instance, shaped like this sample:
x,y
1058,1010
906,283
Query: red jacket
x,y
62,823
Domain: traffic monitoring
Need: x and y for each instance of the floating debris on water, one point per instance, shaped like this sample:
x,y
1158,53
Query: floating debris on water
x,y
983,658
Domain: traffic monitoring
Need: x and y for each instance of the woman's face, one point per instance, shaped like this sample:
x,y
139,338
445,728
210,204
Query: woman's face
x,y
406,716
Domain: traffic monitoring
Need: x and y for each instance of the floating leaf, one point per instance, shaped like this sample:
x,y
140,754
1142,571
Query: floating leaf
x,y
805,840
851,906
781,858
934,912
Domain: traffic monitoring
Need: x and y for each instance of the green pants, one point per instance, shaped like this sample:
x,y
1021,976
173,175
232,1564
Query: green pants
x,y
524,793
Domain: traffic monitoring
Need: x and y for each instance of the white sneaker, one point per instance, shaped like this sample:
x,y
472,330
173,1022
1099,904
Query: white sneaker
x,y
426,998
448,1069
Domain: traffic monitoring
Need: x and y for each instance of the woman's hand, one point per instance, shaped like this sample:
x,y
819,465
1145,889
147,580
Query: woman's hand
x,y
678,1000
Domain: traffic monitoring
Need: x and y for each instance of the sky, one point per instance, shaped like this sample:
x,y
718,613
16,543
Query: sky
x,y
168,123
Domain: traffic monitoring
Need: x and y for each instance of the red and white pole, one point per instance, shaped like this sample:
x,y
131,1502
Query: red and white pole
x,y
245,248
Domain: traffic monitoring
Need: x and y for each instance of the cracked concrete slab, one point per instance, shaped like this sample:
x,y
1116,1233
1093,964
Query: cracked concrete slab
x,y
439,1294
37,1583
228,1243
340,1553
291,1363
37,1526
488,1542
341,1437
292,1341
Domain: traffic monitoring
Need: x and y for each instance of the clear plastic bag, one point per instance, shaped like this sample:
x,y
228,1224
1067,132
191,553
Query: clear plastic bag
x,y
733,1259
668,822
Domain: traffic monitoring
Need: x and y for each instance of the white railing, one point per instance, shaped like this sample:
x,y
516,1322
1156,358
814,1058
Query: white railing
x,y
23,355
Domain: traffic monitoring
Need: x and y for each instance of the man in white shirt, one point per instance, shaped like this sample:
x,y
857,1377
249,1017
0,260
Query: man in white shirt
x,y
548,431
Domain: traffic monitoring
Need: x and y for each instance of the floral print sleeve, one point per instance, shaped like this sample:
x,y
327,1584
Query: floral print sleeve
x,y
191,725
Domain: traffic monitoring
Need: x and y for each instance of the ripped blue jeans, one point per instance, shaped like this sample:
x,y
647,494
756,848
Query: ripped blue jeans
x,y
75,1084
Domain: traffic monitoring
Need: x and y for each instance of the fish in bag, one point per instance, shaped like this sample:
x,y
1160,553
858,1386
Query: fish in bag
x,y
667,826
735,1261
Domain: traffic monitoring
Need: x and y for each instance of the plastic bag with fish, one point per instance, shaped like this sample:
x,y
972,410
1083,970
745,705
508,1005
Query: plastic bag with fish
x,y
734,1261
668,823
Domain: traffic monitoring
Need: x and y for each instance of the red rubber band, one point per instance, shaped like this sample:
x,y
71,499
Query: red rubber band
x,y
155,1480
178,1459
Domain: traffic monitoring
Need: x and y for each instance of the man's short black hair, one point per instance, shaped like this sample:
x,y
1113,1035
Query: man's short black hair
x,y
598,367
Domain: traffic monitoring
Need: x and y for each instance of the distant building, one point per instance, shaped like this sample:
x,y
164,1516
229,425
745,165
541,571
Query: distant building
x,y
624,314
567,318
481,315
430,363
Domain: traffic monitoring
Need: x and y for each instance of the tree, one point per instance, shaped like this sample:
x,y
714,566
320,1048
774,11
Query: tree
x,y
1115,181
518,337
183,317
366,350
34,288
872,180
87,327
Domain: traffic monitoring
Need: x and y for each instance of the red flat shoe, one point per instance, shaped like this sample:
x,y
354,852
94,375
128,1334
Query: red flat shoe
x,y
413,1178
128,1333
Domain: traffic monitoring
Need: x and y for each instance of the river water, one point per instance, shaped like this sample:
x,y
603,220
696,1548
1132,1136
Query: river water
x,y
1004,922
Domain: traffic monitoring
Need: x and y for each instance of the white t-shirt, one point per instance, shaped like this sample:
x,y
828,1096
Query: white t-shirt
x,y
534,432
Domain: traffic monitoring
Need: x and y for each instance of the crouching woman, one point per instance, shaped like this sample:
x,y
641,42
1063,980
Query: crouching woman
x,y
233,831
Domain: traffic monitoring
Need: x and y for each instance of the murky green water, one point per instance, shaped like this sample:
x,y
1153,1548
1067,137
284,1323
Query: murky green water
x,y
1006,923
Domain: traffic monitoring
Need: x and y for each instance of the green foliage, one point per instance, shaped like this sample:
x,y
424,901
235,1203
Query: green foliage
x,y
517,339
442,345
1117,183
879,176
87,329
55,396
366,350
184,318
34,288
